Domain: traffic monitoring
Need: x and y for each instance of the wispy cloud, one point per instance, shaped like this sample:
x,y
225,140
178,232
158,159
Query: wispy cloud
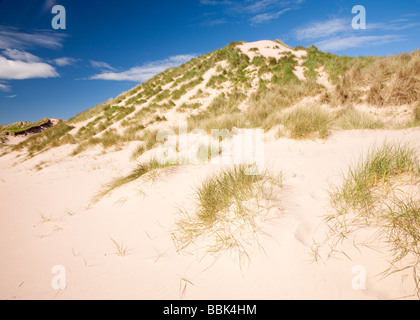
x,y
337,33
18,64
263,5
266,17
322,29
337,44
253,11
396,25
64,61
101,65
14,38
4,87
146,71
12,96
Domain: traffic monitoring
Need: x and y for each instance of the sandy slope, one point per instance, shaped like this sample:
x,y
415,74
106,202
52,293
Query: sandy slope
x,y
142,216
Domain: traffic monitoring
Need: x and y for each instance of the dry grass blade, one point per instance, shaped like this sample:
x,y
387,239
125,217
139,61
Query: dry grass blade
x,y
121,250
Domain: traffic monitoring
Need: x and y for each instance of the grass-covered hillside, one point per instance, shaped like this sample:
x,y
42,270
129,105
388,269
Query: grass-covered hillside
x,y
301,93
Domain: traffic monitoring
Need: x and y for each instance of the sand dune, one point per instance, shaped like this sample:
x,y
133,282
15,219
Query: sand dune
x,y
47,219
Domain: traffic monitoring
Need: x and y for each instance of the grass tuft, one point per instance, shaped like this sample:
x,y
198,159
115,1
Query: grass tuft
x,y
120,249
382,193
141,171
351,119
307,122
382,164
227,205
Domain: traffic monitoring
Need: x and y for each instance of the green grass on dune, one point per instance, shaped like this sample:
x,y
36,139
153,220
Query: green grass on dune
x,y
141,170
382,194
223,209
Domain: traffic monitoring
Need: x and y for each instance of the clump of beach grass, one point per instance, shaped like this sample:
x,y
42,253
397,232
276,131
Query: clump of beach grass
x,y
352,119
375,171
227,207
140,171
308,122
382,194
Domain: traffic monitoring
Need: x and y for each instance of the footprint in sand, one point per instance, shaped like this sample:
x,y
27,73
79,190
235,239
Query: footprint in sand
x,y
303,234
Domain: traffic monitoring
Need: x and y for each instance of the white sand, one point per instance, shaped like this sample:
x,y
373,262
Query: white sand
x,y
142,216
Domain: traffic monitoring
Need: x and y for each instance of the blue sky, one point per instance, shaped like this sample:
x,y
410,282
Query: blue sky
x,y
110,46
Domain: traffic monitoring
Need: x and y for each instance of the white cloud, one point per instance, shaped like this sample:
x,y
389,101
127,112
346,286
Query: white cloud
x,y
266,17
101,65
337,44
254,11
12,96
397,25
318,30
333,27
11,37
20,55
338,34
4,87
146,71
19,70
261,5
64,61
18,64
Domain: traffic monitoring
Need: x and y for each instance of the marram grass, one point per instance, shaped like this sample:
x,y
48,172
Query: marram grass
x,y
382,194
141,171
227,205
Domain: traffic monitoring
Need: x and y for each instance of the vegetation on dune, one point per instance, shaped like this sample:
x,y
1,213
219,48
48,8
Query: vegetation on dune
x,y
376,80
227,205
391,80
308,121
335,65
283,68
188,106
351,119
377,170
217,80
417,113
222,107
49,138
265,93
23,126
266,106
381,193
92,112
142,170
